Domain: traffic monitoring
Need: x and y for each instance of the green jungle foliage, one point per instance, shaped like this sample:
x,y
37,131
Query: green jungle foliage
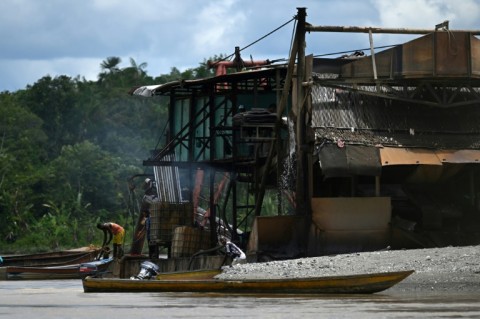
x,y
67,149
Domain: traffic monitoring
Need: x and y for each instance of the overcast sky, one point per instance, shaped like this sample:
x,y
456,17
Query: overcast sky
x,y
68,37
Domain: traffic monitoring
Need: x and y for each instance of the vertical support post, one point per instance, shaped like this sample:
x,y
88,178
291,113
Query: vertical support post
x,y
171,117
302,202
374,63
212,140
372,52
234,155
278,144
234,204
310,135
472,188
377,186
213,212
191,144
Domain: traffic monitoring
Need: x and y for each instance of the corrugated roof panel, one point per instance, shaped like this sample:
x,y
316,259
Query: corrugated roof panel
x,y
147,90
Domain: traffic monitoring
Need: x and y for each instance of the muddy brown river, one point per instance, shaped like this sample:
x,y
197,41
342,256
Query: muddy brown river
x,y
66,299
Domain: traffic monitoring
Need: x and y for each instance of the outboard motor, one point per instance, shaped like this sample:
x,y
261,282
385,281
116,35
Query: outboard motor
x,y
147,271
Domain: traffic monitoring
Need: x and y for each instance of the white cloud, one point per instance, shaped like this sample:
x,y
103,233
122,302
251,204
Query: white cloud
x,y
428,13
412,13
216,28
59,37
17,74
425,14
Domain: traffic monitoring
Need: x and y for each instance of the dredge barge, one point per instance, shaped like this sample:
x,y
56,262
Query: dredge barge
x,y
321,156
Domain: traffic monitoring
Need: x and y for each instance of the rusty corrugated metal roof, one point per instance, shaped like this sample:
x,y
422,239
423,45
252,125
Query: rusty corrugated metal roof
x,y
449,54
160,89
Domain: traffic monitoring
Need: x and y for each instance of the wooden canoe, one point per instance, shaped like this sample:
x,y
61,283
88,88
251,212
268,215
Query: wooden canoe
x,y
54,258
54,272
352,284
202,274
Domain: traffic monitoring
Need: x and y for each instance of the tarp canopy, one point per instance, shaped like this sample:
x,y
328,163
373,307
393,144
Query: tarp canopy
x,y
351,160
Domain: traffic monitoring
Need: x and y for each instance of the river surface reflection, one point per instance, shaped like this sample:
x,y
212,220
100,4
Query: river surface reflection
x,y
66,299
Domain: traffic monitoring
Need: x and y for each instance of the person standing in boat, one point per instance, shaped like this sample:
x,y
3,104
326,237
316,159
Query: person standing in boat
x,y
116,232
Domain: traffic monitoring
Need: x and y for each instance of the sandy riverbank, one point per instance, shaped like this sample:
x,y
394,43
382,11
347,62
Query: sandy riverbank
x,y
455,269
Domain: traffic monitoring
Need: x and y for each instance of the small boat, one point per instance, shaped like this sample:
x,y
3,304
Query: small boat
x,y
202,274
351,284
72,271
54,258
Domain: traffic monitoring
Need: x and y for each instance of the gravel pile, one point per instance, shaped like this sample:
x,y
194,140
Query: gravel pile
x,y
448,268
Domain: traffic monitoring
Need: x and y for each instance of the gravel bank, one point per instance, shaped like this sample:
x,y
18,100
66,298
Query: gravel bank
x,y
436,269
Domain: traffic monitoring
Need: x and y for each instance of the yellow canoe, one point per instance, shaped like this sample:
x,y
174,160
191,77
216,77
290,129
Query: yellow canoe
x,y
351,284
189,275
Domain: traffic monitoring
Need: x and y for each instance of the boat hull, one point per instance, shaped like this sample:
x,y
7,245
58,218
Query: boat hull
x,y
53,272
57,258
352,284
204,274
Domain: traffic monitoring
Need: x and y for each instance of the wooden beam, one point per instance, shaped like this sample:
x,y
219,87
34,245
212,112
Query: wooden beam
x,y
355,29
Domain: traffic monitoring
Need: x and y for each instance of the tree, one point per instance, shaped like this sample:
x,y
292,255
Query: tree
x,y
54,101
87,171
67,147
139,68
111,64
22,154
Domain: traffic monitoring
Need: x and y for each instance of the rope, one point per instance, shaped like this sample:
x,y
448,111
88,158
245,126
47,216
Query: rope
x,y
256,41
293,36
268,34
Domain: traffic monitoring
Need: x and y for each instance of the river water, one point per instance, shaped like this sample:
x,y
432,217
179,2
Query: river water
x,y
66,299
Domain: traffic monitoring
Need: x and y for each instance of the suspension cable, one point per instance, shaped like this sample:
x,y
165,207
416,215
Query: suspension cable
x,y
258,40
293,35
268,34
